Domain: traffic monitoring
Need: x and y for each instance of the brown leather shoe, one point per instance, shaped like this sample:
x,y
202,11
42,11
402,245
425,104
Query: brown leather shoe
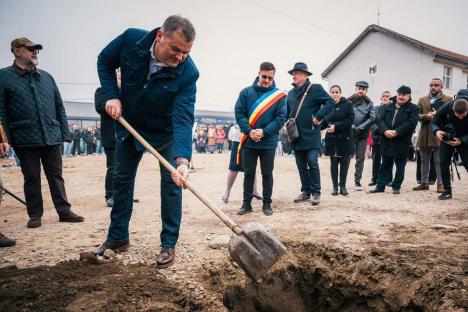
x,y
165,258
117,246
421,187
440,188
6,241
34,223
70,216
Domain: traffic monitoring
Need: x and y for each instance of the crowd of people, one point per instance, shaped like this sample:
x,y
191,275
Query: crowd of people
x,y
149,78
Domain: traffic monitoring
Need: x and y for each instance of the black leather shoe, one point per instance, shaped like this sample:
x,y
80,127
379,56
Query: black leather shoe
x,y
34,223
267,209
246,208
70,216
6,241
334,191
165,258
372,183
116,246
110,202
396,191
343,191
445,195
376,190
303,197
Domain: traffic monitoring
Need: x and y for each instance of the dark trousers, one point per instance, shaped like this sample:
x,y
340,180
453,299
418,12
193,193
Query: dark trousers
x,y
249,162
110,163
386,171
51,159
309,171
127,158
76,148
376,161
446,153
432,171
360,148
341,165
89,148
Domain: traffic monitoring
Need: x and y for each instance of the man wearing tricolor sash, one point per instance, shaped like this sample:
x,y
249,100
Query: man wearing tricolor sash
x,y
260,112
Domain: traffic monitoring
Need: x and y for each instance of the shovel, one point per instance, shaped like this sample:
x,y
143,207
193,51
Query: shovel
x,y
253,247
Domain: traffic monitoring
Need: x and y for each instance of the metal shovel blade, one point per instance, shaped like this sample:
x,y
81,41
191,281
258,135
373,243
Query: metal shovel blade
x,y
255,250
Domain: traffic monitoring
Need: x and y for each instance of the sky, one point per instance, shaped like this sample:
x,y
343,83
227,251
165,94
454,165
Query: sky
x,y
233,37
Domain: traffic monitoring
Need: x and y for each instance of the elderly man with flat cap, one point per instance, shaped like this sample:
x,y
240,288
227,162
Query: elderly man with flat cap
x,y
396,124
316,105
364,118
35,123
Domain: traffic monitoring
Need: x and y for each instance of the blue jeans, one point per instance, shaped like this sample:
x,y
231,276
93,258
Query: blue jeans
x,y
309,171
127,158
385,172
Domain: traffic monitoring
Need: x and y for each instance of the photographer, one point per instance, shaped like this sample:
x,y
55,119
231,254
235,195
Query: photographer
x,y
450,125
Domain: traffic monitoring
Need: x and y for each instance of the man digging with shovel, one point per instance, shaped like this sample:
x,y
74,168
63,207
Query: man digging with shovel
x,y
157,97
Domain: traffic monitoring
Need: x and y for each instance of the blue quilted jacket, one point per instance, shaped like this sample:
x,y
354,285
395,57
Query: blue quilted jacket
x,y
31,109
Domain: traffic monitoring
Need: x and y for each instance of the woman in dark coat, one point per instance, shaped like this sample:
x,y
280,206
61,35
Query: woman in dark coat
x,y
338,139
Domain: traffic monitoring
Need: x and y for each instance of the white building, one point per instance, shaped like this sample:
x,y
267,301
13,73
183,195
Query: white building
x,y
387,60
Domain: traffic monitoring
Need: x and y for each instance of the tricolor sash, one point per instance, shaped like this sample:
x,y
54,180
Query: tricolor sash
x,y
264,103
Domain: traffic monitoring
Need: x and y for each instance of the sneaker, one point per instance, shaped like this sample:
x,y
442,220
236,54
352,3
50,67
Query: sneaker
x,y
358,186
34,223
110,202
396,191
70,216
445,195
376,190
6,241
246,208
343,191
267,209
335,191
303,197
421,187
440,188
315,199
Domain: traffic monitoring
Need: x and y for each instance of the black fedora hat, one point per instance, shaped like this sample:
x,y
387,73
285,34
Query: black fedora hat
x,y
300,66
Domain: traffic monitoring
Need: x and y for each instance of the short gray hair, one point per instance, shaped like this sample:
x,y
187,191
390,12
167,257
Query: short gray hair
x,y
175,23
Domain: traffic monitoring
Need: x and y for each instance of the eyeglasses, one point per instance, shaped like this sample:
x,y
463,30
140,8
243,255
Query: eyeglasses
x,y
265,77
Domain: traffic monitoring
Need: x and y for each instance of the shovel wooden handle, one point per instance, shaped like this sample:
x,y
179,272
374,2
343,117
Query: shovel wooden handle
x,y
228,221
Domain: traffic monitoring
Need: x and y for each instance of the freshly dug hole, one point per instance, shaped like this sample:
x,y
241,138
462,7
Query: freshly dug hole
x,y
320,278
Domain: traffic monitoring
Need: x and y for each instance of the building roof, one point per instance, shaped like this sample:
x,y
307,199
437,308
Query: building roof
x,y
438,53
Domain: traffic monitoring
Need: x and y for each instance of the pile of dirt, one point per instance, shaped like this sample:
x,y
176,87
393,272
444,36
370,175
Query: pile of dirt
x,y
76,286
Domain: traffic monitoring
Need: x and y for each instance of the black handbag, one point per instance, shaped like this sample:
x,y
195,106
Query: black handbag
x,y
291,126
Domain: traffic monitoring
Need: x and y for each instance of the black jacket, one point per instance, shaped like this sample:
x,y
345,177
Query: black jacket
x,y
76,135
406,120
107,123
364,115
446,118
340,142
376,136
317,104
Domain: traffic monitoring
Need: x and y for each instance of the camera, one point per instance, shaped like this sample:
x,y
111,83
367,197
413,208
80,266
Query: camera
x,y
449,133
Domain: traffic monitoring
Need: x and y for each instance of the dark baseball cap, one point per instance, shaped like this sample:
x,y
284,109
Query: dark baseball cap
x,y
24,42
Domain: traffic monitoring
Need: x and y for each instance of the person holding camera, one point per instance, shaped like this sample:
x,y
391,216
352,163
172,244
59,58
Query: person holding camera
x,y
450,126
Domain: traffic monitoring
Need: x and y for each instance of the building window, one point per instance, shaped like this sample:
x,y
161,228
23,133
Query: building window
x,y
447,77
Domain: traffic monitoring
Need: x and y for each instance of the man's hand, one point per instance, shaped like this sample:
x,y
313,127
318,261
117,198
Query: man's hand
x,y
455,142
316,122
331,129
440,135
256,135
390,134
181,175
4,147
114,108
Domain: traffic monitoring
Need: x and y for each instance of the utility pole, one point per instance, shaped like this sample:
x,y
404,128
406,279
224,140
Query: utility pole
x,y
378,13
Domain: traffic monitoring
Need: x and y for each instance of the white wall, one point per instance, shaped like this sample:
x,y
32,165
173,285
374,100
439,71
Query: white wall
x,y
397,63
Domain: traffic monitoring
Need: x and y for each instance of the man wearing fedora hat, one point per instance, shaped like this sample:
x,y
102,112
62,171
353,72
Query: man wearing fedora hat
x,y
316,105
36,125
396,123
364,118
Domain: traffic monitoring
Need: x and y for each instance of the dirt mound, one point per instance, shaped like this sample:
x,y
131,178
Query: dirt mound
x,y
75,286
323,278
